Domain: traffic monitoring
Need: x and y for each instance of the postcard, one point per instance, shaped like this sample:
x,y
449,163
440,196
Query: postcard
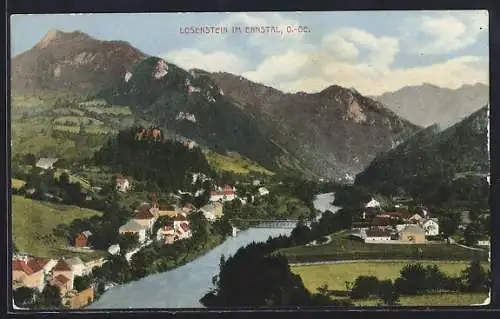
x,y
250,160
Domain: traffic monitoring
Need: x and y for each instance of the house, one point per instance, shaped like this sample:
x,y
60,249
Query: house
x,y
372,204
82,239
63,283
46,163
168,210
166,233
178,220
114,249
381,221
122,184
227,193
416,218
29,272
263,191
465,218
133,227
377,234
405,216
256,182
184,231
146,216
62,276
430,226
94,263
81,299
413,233
77,266
212,211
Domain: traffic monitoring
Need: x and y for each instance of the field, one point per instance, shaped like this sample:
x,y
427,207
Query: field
x,y
34,221
443,299
234,163
344,248
44,126
335,275
73,178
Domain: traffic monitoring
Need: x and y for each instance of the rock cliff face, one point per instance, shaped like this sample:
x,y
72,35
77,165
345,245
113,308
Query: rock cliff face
x,y
336,132
72,61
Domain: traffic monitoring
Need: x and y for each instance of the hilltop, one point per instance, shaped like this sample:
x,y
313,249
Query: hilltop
x,y
437,166
72,61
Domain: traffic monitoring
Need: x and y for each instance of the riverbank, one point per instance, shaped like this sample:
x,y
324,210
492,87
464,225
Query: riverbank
x,y
183,286
211,243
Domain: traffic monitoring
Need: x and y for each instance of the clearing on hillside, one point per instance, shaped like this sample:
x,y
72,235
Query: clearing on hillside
x,y
33,222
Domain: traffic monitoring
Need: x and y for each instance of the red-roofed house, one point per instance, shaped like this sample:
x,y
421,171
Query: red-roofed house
x,y
29,272
184,231
226,193
63,268
166,233
376,234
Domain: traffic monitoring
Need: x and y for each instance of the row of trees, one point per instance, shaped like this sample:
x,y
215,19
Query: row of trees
x,y
415,279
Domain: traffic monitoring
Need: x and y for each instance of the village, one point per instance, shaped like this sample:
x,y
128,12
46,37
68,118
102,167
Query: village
x,y
398,226
153,221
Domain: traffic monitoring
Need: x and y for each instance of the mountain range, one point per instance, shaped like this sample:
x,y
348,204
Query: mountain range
x,y
429,104
437,166
333,134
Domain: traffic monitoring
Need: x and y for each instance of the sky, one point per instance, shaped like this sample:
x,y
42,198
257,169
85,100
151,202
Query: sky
x,y
371,51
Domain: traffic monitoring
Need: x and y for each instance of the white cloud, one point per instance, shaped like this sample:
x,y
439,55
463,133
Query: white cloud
x,y
349,57
368,80
265,43
212,62
439,33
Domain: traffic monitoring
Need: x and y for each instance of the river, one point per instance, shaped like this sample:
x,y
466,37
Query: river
x,y
184,286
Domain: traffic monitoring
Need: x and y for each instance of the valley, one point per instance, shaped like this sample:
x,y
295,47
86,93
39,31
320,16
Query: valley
x,y
132,172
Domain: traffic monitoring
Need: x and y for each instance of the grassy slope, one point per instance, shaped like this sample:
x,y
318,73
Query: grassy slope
x,y
335,275
342,248
234,163
33,223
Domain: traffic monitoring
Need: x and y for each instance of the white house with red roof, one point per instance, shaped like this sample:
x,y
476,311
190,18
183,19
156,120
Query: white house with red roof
x,y
225,194
29,272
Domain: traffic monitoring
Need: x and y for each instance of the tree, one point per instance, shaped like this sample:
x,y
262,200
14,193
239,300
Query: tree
x,y
127,241
364,286
81,283
475,277
301,234
24,296
30,159
412,280
471,234
388,293
50,297
199,226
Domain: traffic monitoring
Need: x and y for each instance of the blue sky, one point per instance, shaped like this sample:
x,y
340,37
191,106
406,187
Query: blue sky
x,y
374,51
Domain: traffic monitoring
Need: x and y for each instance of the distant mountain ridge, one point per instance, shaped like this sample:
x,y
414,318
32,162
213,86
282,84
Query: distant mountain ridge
x,y
431,162
72,61
331,134
429,104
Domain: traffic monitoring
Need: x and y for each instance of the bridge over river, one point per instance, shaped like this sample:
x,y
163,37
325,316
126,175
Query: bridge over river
x,y
272,223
